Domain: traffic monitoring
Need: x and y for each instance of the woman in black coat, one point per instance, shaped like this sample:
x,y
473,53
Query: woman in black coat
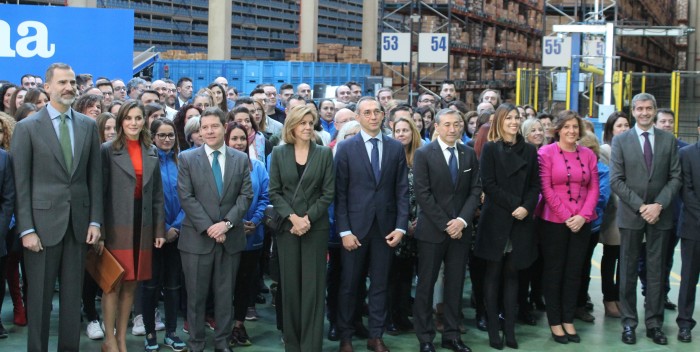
x,y
505,238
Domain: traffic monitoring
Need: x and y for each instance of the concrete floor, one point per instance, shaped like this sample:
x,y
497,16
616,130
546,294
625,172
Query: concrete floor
x,y
602,335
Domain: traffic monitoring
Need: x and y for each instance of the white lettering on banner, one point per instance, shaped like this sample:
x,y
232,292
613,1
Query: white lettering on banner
x,y
39,40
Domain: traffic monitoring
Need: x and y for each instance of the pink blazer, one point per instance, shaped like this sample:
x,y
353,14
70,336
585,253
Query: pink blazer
x,y
556,204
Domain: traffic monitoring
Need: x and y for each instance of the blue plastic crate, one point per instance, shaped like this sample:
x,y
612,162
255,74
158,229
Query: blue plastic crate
x,y
252,70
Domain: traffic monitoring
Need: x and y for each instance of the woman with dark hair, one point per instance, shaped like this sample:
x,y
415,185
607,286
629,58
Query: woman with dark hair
x,y
427,113
134,216
6,92
530,112
470,124
617,123
258,146
167,267
569,179
106,126
302,244
89,104
506,237
114,107
37,96
219,96
180,119
154,111
24,110
236,137
17,99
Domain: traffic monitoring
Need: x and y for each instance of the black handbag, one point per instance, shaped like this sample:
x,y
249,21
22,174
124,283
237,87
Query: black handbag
x,y
272,218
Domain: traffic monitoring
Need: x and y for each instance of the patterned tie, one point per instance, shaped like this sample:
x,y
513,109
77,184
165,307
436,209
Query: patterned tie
x,y
648,154
64,139
375,159
453,165
216,169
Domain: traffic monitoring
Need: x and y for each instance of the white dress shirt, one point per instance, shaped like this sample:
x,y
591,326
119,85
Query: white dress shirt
x,y
639,132
222,157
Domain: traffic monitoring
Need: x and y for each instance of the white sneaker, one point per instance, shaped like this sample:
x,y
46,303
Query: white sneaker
x,y
159,324
138,329
94,331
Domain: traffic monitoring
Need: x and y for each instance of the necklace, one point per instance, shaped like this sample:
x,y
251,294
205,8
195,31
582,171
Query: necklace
x,y
568,174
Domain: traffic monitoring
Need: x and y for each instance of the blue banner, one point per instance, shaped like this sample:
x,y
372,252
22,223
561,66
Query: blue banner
x,y
95,41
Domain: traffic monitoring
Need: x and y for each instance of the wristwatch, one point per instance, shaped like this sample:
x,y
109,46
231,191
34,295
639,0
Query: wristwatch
x,y
228,223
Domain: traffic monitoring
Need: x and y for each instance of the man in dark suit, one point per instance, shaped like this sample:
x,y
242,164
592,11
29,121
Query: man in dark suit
x,y
645,175
690,238
58,179
446,183
371,212
215,192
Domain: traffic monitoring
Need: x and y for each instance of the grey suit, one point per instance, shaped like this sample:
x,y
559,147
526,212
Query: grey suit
x,y
203,260
59,204
629,181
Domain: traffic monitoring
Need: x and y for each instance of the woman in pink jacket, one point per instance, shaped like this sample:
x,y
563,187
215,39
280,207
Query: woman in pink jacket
x,y
569,176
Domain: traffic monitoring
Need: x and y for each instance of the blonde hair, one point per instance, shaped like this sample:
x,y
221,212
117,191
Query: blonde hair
x,y
8,123
590,141
415,139
293,119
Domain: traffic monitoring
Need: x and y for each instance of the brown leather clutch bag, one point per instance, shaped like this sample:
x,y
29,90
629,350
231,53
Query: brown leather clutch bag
x,y
105,269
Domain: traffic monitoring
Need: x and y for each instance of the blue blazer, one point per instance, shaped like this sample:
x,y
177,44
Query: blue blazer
x,y
359,199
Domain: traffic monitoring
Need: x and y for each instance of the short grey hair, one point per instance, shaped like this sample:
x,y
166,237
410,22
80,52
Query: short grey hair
x,y
364,99
134,82
643,97
192,126
446,111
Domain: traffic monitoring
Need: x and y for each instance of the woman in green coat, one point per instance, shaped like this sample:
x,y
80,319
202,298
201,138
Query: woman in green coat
x,y
303,242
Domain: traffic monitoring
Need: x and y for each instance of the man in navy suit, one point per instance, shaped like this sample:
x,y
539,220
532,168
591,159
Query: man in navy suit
x,y
371,213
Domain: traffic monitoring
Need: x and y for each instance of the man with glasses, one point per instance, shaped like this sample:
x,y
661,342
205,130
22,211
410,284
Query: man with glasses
x,y
161,87
105,86
371,211
135,87
271,108
119,89
426,99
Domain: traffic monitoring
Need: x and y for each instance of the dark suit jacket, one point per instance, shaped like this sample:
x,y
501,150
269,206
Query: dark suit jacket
x,y
690,192
629,180
359,199
439,200
201,202
316,191
49,195
7,198
510,178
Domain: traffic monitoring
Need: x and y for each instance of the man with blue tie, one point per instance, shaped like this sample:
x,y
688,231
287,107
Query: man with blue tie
x,y
215,191
58,179
371,212
447,187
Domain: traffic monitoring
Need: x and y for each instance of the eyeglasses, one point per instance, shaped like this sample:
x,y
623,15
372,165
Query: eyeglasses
x,y
171,90
431,101
164,136
107,94
368,113
120,89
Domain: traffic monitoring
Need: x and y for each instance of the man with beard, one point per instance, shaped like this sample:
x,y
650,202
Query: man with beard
x,y
58,178
447,92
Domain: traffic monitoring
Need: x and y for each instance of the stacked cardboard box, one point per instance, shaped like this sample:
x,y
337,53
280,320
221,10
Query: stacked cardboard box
x,y
327,53
182,55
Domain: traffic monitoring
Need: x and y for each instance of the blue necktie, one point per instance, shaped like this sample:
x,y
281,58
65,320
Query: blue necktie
x,y
216,169
453,165
375,159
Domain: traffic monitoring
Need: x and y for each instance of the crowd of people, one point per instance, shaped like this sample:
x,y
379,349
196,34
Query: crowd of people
x,y
201,195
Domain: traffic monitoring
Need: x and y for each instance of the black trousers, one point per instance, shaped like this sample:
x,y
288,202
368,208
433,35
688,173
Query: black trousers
x,y
167,270
690,255
586,271
501,274
564,253
610,273
90,289
477,270
246,283
400,282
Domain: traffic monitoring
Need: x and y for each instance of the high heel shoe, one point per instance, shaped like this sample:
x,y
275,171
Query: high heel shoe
x,y
559,338
572,337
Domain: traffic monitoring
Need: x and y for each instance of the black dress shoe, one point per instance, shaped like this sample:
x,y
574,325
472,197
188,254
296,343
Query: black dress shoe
x,y
481,323
669,305
684,335
361,331
629,336
392,329
332,333
456,345
526,317
657,336
427,347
